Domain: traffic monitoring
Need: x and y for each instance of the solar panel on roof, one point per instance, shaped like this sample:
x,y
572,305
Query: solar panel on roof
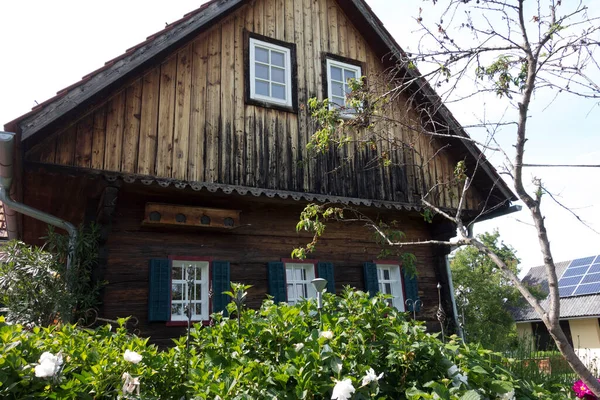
x,y
581,277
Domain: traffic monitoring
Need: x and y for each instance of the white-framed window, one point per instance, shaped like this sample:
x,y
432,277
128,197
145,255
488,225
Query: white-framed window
x,y
298,277
338,76
270,73
390,282
190,282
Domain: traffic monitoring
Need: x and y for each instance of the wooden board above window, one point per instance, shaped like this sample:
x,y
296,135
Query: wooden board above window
x,y
160,214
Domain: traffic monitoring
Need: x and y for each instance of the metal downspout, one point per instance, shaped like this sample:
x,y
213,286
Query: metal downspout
x,y
454,309
7,145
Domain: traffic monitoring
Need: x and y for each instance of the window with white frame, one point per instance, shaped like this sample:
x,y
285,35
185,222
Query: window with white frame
x,y
338,88
189,290
298,278
390,282
270,73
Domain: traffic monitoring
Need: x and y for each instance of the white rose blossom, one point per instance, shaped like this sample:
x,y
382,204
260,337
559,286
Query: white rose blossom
x,y
371,376
132,356
326,334
131,384
507,396
49,365
298,346
342,390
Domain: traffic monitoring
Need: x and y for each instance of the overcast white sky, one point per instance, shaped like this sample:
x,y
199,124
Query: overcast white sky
x,y
48,45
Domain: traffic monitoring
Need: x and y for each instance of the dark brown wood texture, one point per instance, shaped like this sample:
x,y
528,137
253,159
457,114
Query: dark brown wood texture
x,y
186,119
267,233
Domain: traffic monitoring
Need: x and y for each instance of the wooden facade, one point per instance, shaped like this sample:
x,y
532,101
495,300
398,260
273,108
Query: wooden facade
x,y
185,118
180,121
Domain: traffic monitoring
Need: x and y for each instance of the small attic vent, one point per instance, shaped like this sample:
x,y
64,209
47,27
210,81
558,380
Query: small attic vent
x,y
174,215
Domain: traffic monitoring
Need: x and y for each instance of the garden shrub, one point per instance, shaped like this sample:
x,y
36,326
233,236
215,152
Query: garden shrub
x,y
356,344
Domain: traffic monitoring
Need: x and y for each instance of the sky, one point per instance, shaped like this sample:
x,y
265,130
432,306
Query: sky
x,y
48,45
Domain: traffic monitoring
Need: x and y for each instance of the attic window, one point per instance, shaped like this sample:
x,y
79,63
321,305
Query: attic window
x,y
339,72
270,73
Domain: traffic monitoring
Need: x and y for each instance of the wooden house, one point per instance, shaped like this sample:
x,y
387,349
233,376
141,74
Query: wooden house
x,y
189,149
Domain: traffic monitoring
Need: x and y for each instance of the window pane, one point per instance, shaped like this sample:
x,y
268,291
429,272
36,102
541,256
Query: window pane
x,y
198,292
176,309
262,88
336,73
278,91
176,291
290,292
301,289
347,89
386,274
349,74
298,273
277,58
262,71
289,273
277,75
388,288
176,272
261,55
198,273
198,308
337,89
338,101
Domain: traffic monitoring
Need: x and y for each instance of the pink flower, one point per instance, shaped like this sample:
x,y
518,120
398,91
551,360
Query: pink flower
x,y
582,391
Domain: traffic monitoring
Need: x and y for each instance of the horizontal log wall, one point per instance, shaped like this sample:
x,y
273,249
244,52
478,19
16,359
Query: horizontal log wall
x,y
267,234
186,118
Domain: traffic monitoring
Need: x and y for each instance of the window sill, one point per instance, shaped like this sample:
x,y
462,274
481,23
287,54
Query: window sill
x,y
185,323
273,106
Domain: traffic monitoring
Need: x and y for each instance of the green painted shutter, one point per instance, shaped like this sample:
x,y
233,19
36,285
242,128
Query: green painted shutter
x,y
371,281
159,292
411,290
220,284
325,271
277,287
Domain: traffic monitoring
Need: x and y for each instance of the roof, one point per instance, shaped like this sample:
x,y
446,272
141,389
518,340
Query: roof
x,y
75,97
570,307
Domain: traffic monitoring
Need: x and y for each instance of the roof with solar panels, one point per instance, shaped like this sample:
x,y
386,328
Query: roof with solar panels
x,y
578,286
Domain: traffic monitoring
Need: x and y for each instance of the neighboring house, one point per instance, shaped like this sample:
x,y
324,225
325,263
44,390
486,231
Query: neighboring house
x,y
579,289
189,150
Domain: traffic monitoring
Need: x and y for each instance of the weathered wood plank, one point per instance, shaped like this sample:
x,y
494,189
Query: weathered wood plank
x,y
342,33
99,138
181,134
83,146
149,122
332,16
213,106
259,17
115,114
280,19
65,146
238,98
226,134
302,93
48,151
196,165
269,17
131,130
166,114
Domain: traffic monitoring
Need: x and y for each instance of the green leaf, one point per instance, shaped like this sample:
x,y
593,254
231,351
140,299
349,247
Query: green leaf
x,y
471,395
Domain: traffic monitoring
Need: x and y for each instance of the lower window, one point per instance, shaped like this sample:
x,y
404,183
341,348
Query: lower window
x,y
189,290
390,282
298,280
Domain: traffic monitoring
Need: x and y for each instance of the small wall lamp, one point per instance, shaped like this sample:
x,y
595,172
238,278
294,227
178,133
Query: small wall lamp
x,y
319,284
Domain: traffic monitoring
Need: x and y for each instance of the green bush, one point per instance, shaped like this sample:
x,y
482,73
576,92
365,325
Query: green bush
x,y
279,351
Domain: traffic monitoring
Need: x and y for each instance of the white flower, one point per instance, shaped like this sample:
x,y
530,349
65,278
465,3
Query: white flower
x,y
132,356
326,334
507,396
49,364
131,384
342,390
298,346
371,377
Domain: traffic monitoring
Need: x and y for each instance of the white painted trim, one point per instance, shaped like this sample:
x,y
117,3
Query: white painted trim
x,y
204,284
288,72
395,282
310,275
344,66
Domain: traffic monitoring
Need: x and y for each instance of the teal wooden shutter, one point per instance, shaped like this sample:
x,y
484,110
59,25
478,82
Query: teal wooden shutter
x,y
325,271
159,292
277,287
220,284
411,290
371,281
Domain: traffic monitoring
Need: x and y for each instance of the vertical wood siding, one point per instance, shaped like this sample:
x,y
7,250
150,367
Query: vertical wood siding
x,y
186,118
